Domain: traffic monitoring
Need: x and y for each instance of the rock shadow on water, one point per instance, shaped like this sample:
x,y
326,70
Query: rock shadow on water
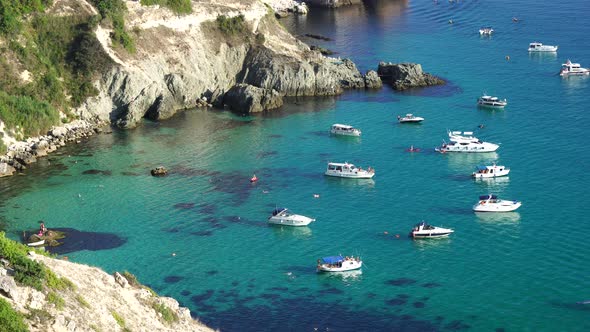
x,y
437,91
76,240
401,282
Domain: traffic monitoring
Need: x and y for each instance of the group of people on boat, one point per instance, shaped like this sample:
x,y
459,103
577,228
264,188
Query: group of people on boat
x,y
339,264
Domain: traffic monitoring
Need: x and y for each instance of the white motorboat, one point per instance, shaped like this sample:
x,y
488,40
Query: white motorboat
x,y
491,171
339,264
346,170
282,216
492,102
465,142
423,230
346,130
486,31
409,118
539,47
570,68
491,203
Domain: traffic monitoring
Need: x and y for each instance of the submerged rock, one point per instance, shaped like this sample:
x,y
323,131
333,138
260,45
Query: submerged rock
x,y
403,76
159,171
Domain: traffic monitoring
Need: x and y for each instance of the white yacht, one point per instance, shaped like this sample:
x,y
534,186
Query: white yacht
x,y
346,170
492,171
465,142
282,216
409,118
486,31
570,68
491,203
539,47
492,102
339,264
423,230
346,130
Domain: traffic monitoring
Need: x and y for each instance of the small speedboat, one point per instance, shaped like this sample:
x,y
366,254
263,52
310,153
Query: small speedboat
x,y
572,69
491,171
346,130
339,264
492,102
486,31
36,243
409,118
346,170
423,230
282,216
539,47
491,203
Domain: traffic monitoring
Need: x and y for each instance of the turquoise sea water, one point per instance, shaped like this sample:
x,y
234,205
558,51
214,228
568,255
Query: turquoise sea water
x,y
521,271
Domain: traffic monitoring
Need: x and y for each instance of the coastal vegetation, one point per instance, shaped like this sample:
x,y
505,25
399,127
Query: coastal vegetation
x,y
231,25
177,6
112,13
10,320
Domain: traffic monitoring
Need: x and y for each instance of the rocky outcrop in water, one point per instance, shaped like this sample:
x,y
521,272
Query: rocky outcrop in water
x,y
245,98
372,80
402,76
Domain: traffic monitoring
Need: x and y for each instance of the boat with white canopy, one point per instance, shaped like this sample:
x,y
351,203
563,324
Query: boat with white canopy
x,y
539,47
491,203
345,130
346,170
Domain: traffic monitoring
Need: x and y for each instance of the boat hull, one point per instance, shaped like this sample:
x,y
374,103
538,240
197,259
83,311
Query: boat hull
x,y
411,121
497,207
298,221
490,175
346,133
424,235
346,266
357,175
36,244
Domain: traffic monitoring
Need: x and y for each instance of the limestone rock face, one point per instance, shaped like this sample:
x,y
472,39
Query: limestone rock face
x,y
6,169
8,287
245,98
372,80
403,76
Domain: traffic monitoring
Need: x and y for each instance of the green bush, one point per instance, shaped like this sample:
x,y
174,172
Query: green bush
x,y
2,147
26,271
132,279
231,26
82,301
168,315
54,298
114,11
177,6
57,283
35,117
120,320
10,320
11,12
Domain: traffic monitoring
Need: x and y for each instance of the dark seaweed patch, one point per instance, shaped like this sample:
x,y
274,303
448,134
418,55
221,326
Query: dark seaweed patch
x,y
212,272
400,282
173,279
208,209
371,295
202,233
270,296
130,174
331,290
265,154
235,283
431,285
185,293
280,289
184,205
198,299
96,171
418,304
456,325
275,136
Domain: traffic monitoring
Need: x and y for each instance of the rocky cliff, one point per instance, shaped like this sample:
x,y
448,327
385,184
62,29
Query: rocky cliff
x,y
402,76
180,60
93,301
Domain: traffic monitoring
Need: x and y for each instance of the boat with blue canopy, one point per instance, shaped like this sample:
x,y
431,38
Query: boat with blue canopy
x,y
339,263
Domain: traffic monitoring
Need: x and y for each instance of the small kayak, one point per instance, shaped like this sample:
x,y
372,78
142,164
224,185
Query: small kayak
x,y
36,244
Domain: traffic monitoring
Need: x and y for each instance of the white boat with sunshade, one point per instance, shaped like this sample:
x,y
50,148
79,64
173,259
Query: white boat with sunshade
x,y
339,264
573,69
345,130
346,170
490,171
409,118
491,203
282,216
465,142
491,102
423,230
539,47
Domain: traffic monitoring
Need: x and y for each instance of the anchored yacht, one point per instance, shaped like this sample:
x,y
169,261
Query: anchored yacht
x,y
465,142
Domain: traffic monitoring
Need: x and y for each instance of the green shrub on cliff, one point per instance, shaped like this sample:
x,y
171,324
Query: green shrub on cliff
x,y
26,271
12,11
33,116
114,12
177,6
231,26
10,320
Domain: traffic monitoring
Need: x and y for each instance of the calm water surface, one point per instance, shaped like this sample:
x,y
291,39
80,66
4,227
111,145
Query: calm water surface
x,y
521,271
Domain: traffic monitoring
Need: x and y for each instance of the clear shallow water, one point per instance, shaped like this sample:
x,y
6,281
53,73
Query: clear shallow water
x,y
516,272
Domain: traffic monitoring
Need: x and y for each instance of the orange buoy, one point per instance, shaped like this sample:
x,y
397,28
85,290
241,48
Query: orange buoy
x,y
253,178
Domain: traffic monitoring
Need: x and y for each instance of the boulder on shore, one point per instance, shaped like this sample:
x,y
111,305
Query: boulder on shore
x,y
6,170
245,99
403,76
